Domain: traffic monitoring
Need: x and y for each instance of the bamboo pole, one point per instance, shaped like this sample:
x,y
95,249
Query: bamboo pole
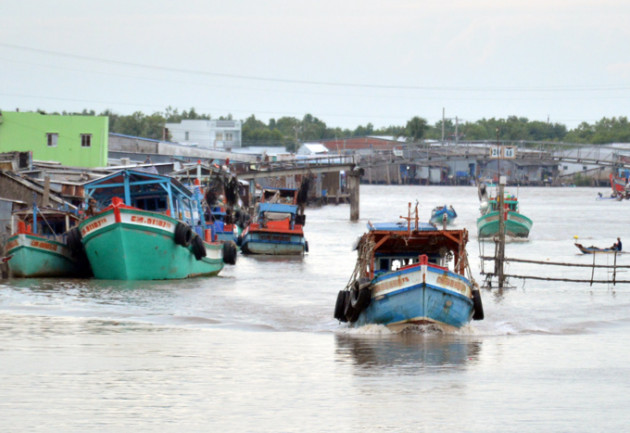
x,y
501,245
570,280
540,262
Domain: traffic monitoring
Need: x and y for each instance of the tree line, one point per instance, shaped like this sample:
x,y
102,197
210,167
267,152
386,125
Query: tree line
x,y
288,132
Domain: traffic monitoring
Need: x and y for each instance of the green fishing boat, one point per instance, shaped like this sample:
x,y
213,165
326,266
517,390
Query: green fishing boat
x,y
516,224
152,228
37,245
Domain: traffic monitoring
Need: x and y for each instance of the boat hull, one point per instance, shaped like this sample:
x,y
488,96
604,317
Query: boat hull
x,y
595,250
420,295
437,216
273,243
37,257
130,244
618,185
516,225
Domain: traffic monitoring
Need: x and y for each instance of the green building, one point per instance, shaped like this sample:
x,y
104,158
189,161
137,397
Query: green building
x,y
72,140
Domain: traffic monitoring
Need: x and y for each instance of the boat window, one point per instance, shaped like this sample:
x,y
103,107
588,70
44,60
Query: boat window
x,y
383,265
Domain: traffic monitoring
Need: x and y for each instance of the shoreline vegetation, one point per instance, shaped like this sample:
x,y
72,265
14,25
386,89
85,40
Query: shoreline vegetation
x,y
288,132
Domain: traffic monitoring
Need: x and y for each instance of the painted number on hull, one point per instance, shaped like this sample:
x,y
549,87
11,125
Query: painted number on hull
x,y
150,221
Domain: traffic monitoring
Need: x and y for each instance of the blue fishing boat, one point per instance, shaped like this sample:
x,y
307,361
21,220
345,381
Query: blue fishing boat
x,y
223,227
443,214
276,230
277,226
410,273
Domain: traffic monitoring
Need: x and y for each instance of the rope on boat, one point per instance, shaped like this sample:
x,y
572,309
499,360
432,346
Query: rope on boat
x,y
364,252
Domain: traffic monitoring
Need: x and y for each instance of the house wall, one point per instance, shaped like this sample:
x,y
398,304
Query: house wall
x,y
211,134
28,132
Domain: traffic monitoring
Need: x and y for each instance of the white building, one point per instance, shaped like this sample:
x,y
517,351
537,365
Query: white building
x,y
312,149
210,134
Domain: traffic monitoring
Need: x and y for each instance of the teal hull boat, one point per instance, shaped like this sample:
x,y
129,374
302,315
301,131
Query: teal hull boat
x,y
34,256
146,246
138,237
516,225
39,245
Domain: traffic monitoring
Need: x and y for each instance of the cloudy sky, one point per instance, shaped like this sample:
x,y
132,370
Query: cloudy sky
x,y
346,62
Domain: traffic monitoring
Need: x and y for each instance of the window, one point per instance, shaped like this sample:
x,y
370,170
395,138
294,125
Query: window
x,y
228,136
86,140
51,139
187,135
219,136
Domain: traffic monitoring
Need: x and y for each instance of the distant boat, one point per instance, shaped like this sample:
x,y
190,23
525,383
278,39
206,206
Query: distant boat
x,y
223,224
516,224
152,228
620,186
402,277
277,226
441,214
594,250
41,245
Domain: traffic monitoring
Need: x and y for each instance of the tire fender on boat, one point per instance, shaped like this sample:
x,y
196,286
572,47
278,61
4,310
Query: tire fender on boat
x,y
358,299
340,306
73,240
183,234
477,305
198,248
229,253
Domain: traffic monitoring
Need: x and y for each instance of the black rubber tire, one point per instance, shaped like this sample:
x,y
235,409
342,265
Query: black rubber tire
x,y
360,298
73,240
198,248
340,306
477,306
183,234
230,252
351,313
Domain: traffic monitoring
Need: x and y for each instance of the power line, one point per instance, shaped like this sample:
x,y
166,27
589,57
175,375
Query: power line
x,y
319,83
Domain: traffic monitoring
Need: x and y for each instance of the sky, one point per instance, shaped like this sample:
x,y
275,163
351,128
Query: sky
x,y
346,62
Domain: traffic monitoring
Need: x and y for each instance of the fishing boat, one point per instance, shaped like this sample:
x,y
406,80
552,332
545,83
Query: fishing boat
x,y
516,224
150,227
39,246
443,214
277,226
594,250
615,248
410,273
221,219
620,186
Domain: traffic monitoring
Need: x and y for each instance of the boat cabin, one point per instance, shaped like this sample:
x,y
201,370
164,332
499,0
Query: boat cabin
x,y
277,216
150,192
396,247
279,195
510,202
46,222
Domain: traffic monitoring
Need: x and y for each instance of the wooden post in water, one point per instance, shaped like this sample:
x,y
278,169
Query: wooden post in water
x,y
353,190
614,268
500,249
46,196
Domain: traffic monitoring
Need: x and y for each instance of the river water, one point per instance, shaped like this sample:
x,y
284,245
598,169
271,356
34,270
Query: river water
x,y
257,349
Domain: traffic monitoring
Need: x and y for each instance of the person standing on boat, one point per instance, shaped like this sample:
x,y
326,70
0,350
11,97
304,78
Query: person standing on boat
x,y
617,245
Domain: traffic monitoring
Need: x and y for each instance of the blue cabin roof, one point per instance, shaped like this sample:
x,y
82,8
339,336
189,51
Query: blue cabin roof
x,y
401,226
277,207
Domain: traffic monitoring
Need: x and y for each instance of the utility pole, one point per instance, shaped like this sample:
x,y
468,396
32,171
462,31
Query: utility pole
x,y
443,120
